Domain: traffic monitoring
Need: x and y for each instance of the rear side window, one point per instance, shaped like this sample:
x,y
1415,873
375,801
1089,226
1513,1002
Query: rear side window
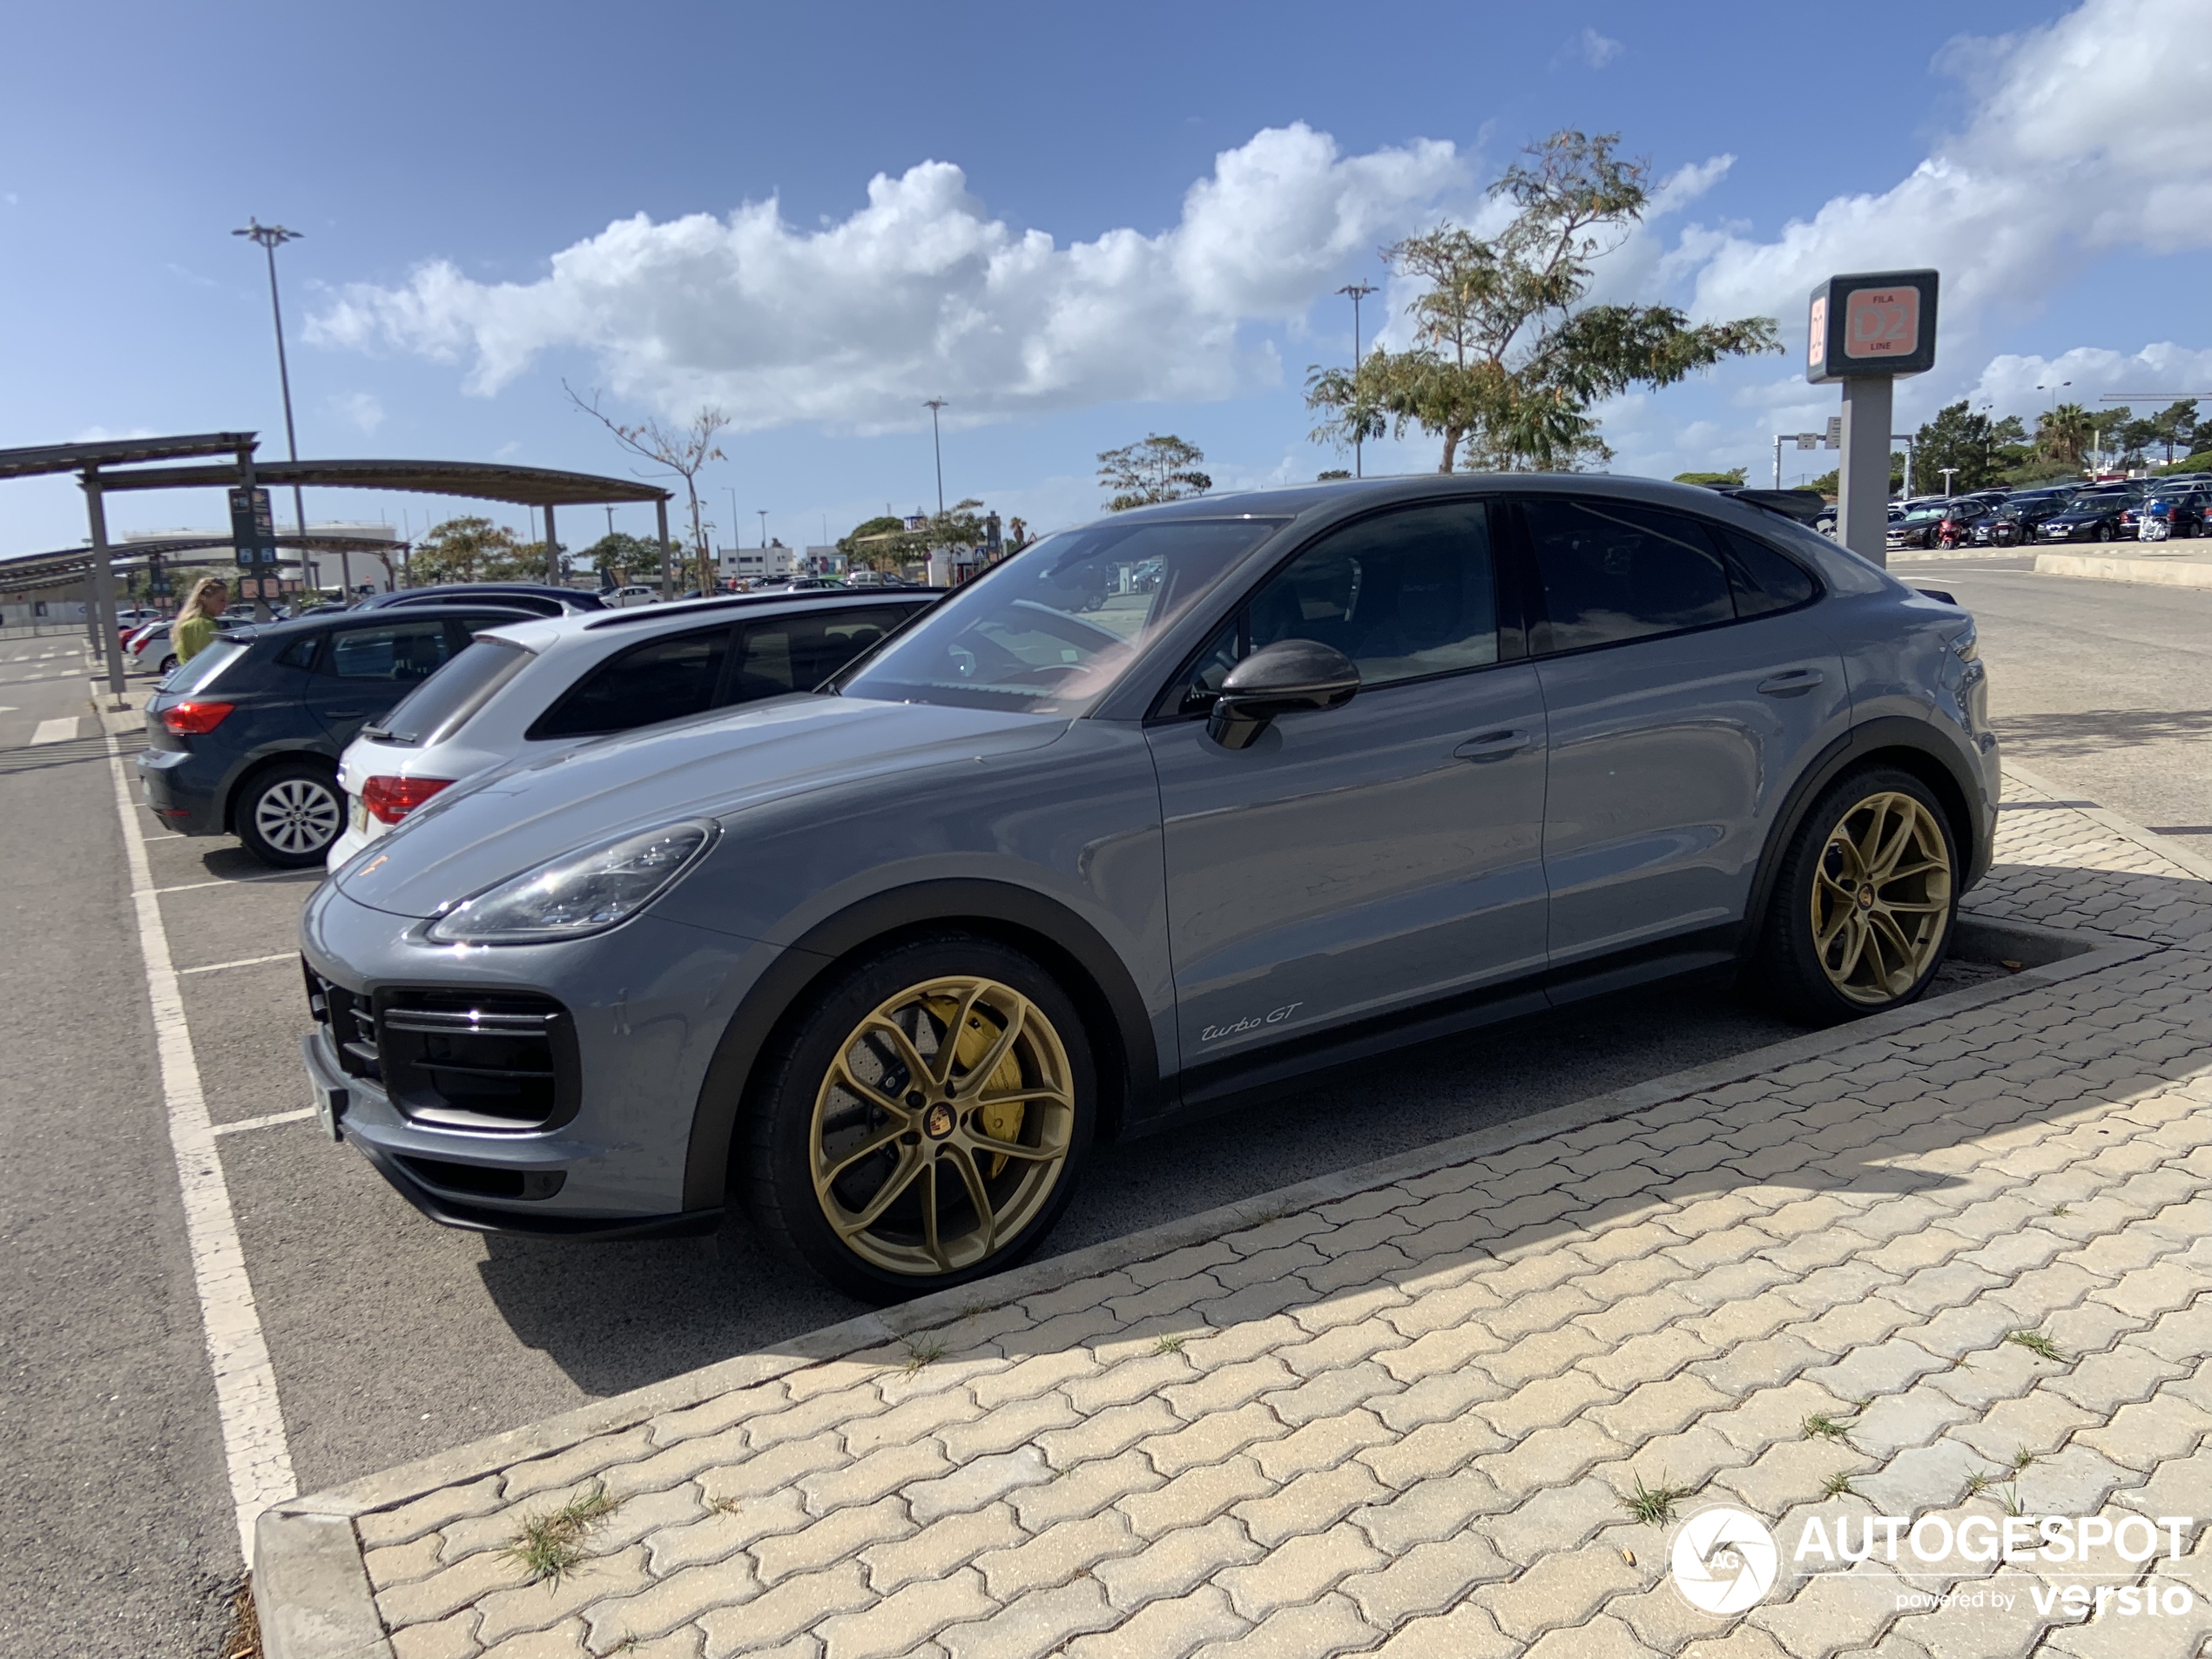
x,y
455,691
405,651
1612,571
662,679
797,653
1763,580
200,672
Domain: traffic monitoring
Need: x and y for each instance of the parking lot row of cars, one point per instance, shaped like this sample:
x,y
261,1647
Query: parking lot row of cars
x,y
2138,509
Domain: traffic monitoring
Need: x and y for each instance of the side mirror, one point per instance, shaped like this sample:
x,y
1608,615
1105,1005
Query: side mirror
x,y
1289,675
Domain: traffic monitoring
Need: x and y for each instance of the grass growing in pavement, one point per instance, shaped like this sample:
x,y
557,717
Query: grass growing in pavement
x,y
1654,1505
921,1350
1168,1344
2021,1459
2059,1209
2037,1344
1838,1485
1820,1425
549,1546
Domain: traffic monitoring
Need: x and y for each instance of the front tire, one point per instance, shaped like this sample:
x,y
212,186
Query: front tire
x,y
290,815
1863,904
924,1121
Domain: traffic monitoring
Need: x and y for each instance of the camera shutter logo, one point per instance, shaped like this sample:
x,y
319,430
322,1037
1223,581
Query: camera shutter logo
x,y
1725,1559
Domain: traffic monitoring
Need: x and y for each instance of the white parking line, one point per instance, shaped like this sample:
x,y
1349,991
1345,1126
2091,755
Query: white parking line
x,y
62,730
243,961
254,1447
239,881
267,1120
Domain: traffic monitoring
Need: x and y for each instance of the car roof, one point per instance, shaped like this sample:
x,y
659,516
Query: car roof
x,y
333,621
543,633
579,599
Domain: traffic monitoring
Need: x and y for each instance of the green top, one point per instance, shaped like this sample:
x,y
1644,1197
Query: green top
x,y
193,635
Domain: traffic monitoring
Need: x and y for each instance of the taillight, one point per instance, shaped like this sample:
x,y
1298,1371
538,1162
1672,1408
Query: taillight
x,y
390,799
189,720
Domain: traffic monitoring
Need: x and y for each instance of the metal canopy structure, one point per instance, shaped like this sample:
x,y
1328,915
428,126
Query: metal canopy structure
x,y
485,480
27,571
537,487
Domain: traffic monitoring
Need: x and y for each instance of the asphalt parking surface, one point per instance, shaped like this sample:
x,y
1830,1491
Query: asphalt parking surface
x,y
391,1337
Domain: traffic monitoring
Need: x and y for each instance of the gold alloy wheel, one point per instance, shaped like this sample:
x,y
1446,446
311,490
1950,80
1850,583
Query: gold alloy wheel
x,y
942,1126
1881,895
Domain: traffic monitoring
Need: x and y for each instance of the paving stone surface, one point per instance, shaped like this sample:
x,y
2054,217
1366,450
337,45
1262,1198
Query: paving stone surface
x,y
1414,1421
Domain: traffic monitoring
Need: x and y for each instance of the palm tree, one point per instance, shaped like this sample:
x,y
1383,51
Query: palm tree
x,y
2065,433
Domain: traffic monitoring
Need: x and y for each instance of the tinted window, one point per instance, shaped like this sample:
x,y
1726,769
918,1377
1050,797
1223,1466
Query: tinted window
x,y
798,653
403,651
659,680
1762,579
455,690
1049,631
1614,571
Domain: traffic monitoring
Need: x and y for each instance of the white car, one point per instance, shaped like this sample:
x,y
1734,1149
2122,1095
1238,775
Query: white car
x,y
638,593
148,651
531,689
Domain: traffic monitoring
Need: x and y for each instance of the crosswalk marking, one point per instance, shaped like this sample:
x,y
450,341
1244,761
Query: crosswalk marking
x,y
59,731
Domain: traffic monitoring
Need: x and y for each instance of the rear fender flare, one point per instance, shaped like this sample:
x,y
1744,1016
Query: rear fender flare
x,y
1089,969
1944,773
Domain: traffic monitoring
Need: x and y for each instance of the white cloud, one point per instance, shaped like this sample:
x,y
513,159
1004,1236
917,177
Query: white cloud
x,y
1595,50
2088,134
363,409
921,292
2150,378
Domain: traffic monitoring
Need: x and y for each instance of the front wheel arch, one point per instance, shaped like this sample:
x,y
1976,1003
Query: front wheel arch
x,y
1095,977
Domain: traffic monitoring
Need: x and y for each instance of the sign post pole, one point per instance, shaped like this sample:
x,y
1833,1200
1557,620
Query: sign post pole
x,y
1869,330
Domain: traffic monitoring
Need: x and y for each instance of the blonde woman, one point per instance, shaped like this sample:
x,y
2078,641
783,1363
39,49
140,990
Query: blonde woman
x,y
194,629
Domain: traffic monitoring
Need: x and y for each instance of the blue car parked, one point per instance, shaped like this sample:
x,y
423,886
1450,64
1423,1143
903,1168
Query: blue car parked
x,y
244,739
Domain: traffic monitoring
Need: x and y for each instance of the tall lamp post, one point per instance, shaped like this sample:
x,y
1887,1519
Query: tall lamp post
x,y
271,238
1357,291
937,448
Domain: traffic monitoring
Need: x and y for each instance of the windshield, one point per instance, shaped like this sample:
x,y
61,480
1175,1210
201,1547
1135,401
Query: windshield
x,y
453,693
199,673
1049,631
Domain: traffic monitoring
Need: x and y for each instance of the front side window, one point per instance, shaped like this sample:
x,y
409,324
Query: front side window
x,y
405,651
1405,595
1049,631
661,679
785,654
1611,570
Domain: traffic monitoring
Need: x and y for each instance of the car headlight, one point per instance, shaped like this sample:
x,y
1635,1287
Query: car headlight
x,y
579,892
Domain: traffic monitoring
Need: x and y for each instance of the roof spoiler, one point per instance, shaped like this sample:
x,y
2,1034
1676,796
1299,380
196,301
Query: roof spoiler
x,y
1806,506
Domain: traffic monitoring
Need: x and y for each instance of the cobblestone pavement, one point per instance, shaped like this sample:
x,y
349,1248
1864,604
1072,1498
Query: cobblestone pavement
x,y
1412,1420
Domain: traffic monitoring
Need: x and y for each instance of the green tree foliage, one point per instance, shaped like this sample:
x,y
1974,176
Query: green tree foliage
x,y
470,549
1733,476
2063,434
1507,360
874,542
886,544
1961,438
2173,426
1831,484
1161,467
619,557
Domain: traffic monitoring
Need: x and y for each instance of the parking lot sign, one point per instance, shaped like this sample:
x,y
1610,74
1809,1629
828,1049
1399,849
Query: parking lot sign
x,y
1871,323
252,530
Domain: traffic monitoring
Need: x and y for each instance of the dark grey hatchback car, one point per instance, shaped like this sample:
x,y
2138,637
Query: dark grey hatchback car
x,y
1161,812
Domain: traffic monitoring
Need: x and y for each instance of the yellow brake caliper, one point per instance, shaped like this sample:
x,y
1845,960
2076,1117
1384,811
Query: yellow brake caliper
x,y
1001,1122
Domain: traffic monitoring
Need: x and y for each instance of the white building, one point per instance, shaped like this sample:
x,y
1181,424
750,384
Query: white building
x,y
370,567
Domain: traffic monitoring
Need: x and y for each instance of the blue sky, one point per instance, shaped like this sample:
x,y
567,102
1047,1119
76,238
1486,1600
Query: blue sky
x,y
1136,224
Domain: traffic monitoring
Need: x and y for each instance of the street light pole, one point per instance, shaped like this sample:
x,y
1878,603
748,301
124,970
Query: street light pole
x,y
271,238
937,448
1357,291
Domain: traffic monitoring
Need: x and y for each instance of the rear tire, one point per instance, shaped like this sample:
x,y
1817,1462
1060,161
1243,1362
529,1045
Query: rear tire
x,y
867,1154
290,815
1863,906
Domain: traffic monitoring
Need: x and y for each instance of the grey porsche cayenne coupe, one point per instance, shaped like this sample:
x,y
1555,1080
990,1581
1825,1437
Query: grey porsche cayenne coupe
x,y
1175,808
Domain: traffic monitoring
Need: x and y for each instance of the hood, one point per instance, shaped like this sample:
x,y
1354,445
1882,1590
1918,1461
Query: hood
x,y
713,766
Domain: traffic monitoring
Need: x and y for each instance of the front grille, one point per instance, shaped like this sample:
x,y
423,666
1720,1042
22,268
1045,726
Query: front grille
x,y
452,1059
351,1023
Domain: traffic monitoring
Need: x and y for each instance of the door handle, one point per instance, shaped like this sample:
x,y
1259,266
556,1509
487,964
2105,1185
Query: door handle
x,y
1492,746
1793,683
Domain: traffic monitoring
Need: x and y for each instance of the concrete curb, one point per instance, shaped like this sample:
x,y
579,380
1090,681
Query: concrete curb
x,y
2150,840
313,1590
2176,574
